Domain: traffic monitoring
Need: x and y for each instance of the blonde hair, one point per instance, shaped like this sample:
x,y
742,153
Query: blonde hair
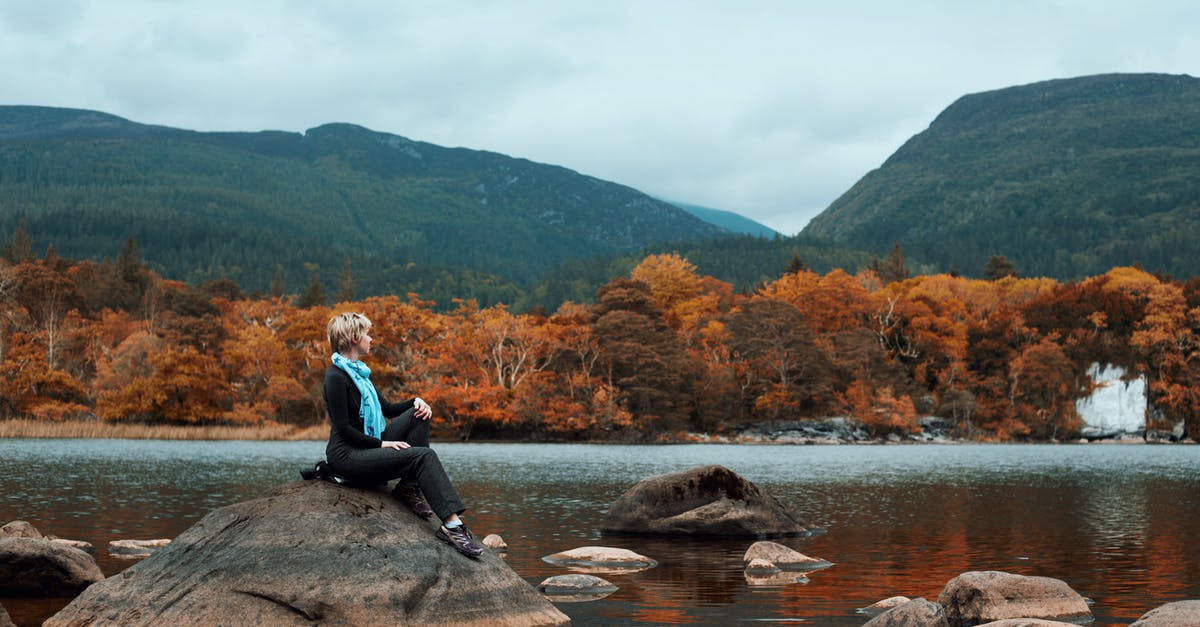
x,y
346,329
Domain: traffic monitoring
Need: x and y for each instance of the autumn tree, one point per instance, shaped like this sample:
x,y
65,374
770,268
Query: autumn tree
x,y
185,387
784,375
641,357
1044,385
47,298
1168,338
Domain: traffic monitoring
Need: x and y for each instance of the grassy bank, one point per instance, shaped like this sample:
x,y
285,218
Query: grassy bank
x,y
98,429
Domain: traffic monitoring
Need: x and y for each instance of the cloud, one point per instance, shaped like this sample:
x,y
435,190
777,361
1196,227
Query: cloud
x,y
771,109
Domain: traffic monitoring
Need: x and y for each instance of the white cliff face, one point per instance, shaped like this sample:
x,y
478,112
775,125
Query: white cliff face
x,y
1116,404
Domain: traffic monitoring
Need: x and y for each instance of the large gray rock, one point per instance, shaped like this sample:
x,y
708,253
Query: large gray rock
x,y
312,552
977,597
703,501
5,619
914,613
1177,614
40,567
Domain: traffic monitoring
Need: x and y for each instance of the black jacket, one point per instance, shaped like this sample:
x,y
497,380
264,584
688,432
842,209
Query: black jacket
x,y
342,402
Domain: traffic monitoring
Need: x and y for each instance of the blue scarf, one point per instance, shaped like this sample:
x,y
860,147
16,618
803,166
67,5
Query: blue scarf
x,y
370,411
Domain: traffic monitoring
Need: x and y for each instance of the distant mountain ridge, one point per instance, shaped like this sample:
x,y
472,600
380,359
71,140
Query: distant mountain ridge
x,y
728,220
1067,178
239,205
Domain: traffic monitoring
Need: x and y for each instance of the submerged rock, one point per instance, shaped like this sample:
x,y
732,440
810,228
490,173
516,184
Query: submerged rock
x,y
977,597
783,557
915,613
601,559
777,578
879,607
1174,614
495,542
312,552
1033,622
136,549
708,500
76,544
576,588
40,567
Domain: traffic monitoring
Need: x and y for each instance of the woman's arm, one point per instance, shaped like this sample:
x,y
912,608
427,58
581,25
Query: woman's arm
x,y
391,410
338,401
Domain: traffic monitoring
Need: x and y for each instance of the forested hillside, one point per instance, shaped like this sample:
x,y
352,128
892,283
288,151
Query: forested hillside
x,y
254,207
1065,178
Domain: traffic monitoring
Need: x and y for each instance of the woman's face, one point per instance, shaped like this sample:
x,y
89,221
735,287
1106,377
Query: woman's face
x,y
363,345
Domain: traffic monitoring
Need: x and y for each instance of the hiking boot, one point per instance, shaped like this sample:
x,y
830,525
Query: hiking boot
x,y
461,539
410,495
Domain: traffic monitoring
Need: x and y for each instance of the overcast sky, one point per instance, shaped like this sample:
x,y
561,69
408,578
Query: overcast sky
x,y
768,109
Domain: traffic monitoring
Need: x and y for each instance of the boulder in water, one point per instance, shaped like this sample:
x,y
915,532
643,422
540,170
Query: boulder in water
x,y
1171,615
703,501
40,567
312,552
915,613
977,597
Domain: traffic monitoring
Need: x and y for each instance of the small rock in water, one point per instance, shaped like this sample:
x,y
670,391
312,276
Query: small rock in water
x,y
879,607
133,549
495,542
914,612
783,557
576,588
601,559
75,544
19,529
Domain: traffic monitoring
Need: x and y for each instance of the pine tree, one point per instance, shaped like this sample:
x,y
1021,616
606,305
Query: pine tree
x,y
277,282
345,291
998,267
795,264
892,269
19,248
314,296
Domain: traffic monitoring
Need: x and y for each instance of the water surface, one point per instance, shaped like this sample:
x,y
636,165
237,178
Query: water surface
x,y
1117,522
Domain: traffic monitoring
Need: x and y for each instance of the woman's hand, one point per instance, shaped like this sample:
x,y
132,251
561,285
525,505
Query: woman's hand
x,y
399,446
421,409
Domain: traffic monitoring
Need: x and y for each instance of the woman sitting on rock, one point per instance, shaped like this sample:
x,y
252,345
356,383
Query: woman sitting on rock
x,y
364,447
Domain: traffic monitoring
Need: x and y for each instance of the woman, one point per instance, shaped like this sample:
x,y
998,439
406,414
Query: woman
x,y
363,447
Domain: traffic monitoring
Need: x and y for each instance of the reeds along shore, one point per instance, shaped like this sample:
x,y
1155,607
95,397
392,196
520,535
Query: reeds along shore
x,y
21,428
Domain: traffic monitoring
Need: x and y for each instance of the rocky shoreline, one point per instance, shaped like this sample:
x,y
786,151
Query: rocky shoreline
x,y
934,430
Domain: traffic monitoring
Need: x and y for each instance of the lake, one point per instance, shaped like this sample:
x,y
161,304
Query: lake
x,y
1119,523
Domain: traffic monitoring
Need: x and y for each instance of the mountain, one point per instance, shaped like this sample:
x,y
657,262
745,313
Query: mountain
x,y
728,220
1067,178
404,214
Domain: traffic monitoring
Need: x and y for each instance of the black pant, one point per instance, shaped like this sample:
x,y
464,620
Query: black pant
x,y
417,463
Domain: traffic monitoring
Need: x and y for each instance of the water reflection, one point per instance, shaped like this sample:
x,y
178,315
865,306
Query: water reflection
x,y
1118,523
